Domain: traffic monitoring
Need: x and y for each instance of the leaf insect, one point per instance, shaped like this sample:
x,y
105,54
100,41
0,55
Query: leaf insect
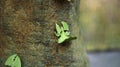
x,y
63,33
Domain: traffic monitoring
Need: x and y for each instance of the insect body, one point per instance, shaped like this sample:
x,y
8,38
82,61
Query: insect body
x,y
63,32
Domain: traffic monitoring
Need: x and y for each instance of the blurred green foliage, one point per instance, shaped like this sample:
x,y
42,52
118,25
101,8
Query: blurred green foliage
x,y
100,20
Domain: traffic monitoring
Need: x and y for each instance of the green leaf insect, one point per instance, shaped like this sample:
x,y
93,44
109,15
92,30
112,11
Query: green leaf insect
x,y
63,33
13,61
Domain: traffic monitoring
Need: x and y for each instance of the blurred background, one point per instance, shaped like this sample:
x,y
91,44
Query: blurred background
x,y
100,21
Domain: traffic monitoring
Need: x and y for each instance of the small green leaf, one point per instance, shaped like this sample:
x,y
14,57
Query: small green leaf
x,y
71,38
58,30
65,25
17,62
13,61
63,37
10,60
67,33
57,34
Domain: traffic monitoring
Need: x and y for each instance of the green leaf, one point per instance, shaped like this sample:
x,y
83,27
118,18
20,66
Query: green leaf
x,y
63,37
17,62
65,25
71,38
58,29
57,34
67,33
10,60
13,61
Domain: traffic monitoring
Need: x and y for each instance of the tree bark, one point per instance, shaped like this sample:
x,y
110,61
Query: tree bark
x,y
27,28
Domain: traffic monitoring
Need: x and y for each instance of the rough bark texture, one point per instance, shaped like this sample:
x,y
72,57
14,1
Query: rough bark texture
x,y
27,28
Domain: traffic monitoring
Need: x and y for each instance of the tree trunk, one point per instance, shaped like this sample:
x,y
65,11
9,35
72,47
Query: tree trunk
x,y
27,28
